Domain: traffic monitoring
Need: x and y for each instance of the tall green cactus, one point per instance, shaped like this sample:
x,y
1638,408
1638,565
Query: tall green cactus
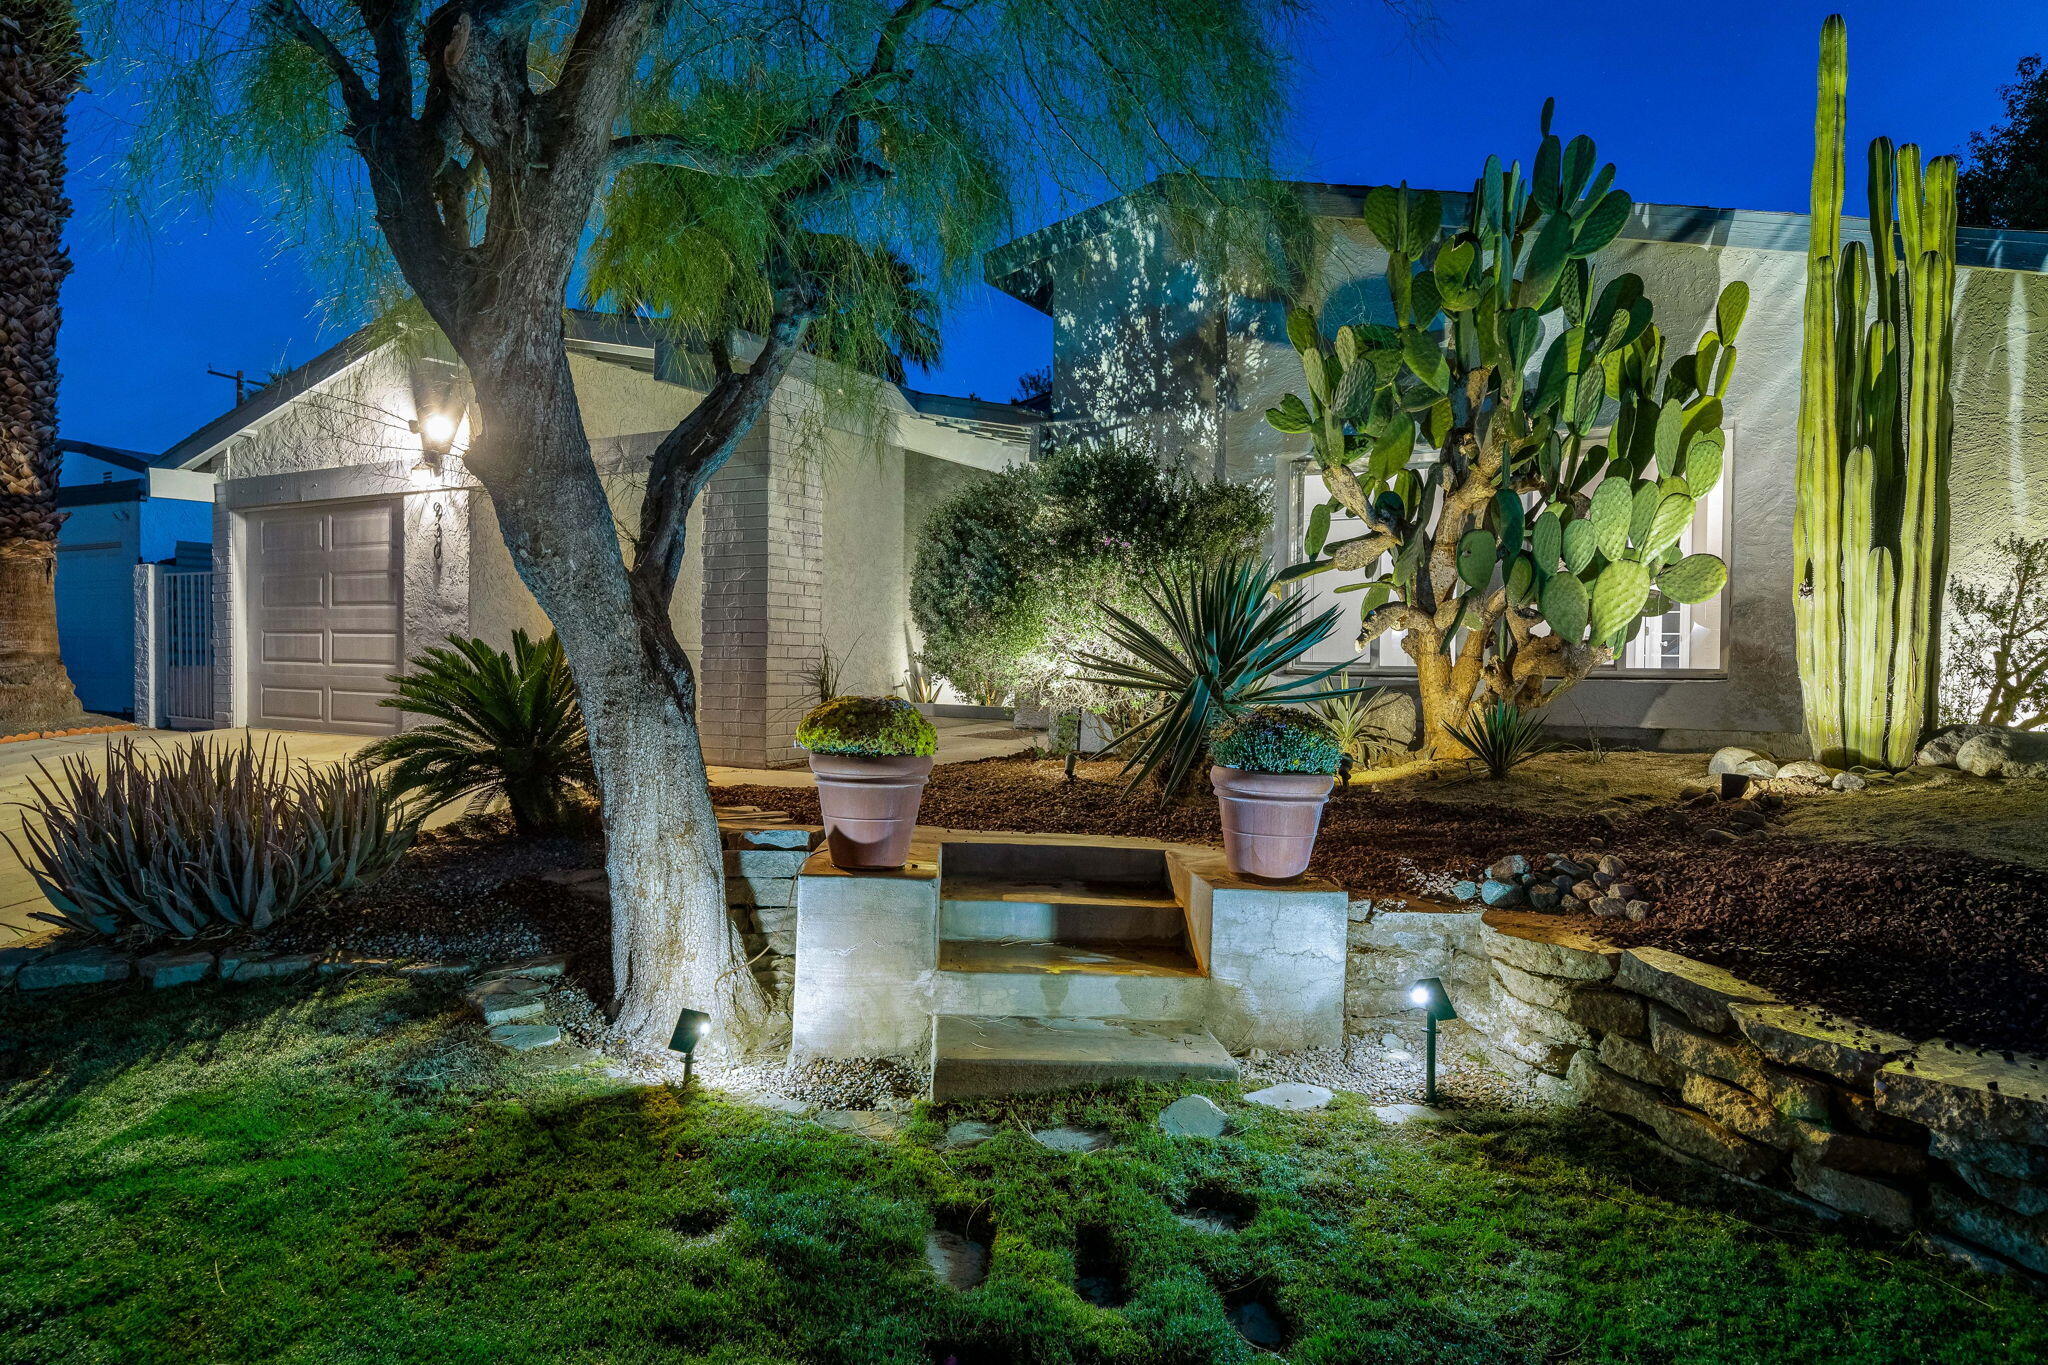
x,y
1870,534
1570,449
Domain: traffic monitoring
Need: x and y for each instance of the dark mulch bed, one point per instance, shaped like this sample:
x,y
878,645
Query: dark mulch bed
x,y
1920,941
469,890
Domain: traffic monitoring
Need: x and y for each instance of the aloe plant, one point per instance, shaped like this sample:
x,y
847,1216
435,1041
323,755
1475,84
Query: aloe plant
x,y
1546,527
1870,529
1226,635
506,726
204,837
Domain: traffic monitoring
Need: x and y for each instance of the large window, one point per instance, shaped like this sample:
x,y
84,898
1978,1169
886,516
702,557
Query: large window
x,y
1683,639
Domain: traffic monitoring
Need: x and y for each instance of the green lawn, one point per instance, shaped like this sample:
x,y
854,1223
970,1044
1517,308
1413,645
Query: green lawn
x,y
345,1173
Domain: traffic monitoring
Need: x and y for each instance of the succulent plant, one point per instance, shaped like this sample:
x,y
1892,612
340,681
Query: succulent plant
x,y
1870,534
1565,473
204,836
867,727
1276,739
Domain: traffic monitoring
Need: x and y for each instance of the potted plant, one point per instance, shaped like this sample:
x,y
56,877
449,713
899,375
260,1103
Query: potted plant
x,y
1272,773
871,756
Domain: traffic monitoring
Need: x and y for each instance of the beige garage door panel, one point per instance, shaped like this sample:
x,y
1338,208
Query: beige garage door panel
x,y
325,614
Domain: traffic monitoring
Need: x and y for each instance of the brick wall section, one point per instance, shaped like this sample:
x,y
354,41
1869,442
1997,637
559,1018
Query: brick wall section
x,y
764,546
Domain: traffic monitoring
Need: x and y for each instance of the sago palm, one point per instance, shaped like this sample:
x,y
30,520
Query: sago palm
x,y
506,726
1226,634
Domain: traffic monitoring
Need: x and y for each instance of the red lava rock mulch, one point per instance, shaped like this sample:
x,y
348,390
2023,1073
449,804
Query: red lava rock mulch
x,y
1920,941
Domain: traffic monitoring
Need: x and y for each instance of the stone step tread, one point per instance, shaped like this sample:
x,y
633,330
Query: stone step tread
x,y
988,1054
1075,891
1032,957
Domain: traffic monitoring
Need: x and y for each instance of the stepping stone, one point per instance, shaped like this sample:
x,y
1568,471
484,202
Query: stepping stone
x,y
345,966
1193,1116
1065,1139
957,1262
532,968
240,967
967,1133
781,1104
1406,1113
1292,1096
509,999
878,1125
457,967
1257,1324
524,1037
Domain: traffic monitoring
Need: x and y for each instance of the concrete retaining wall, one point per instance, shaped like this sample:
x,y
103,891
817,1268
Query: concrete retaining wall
x,y
1950,1140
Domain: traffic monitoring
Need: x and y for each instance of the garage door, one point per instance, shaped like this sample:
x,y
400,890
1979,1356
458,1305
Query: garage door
x,y
324,611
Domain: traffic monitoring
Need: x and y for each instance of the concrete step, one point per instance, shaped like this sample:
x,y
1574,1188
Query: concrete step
x,y
1004,1055
1039,956
1071,910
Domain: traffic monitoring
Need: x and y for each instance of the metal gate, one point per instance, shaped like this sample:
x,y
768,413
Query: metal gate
x,y
188,650
174,647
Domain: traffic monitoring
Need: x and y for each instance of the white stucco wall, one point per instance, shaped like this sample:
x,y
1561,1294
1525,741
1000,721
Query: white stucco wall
x,y
1132,335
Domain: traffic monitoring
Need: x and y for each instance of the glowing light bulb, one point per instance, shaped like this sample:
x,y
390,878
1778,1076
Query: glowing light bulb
x,y
438,428
1420,995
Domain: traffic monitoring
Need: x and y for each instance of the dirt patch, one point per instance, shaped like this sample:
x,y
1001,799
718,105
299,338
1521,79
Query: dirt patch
x,y
1832,903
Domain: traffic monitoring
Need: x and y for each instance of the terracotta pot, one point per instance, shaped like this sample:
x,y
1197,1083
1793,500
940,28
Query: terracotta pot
x,y
869,806
1269,819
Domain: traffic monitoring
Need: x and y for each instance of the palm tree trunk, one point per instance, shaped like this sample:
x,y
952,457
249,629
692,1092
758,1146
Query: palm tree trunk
x,y
39,66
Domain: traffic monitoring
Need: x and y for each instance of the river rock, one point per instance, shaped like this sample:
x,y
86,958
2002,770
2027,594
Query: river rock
x,y
1805,770
2005,753
1940,751
1293,1096
1741,762
1849,782
1496,893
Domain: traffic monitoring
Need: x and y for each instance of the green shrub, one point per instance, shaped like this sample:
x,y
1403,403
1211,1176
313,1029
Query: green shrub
x,y
204,837
1012,573
872,727
1276,739
507,726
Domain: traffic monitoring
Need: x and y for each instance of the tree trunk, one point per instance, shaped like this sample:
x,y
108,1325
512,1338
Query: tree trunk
x,y
39,63
1438,704
674,943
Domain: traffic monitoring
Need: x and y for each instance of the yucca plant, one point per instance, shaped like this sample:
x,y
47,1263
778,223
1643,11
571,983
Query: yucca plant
x,y
204,837
507,726
1503,738
1226,633
1347,710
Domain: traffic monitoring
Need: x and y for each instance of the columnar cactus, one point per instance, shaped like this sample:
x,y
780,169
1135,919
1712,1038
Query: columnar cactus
x,y
1531,548
1870,534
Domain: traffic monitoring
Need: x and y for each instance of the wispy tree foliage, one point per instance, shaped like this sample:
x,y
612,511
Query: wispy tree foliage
x,y
2004,181
764,177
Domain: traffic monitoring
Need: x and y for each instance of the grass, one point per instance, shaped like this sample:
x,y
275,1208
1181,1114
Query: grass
x,y
345,1173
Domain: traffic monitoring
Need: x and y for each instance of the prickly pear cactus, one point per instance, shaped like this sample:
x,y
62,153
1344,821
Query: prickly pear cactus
x,y
1870,532
1564,457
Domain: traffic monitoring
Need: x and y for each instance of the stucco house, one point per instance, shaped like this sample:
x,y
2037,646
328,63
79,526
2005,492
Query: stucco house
x,y
1147,350
342,546
120,510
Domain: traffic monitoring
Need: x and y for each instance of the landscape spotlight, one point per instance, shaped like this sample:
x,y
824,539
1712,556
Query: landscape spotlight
x,y
691,1026
1429,996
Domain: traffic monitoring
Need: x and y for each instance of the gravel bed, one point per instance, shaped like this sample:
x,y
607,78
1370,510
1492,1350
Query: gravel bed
x,y
1389,1070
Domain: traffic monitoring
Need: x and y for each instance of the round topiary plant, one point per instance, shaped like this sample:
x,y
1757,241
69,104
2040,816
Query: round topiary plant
x,y
870,727
1276,739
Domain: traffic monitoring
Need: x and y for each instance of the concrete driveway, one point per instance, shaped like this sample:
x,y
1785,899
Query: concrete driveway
x,y
959,741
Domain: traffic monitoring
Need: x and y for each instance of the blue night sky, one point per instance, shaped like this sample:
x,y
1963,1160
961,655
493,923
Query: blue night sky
x,y
1707,104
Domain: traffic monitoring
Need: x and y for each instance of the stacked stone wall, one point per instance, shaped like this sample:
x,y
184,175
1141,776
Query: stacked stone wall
x,y
1854,1121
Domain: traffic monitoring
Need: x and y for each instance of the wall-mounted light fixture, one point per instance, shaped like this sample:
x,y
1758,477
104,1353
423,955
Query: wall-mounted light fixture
x,y
440,395
1434,1001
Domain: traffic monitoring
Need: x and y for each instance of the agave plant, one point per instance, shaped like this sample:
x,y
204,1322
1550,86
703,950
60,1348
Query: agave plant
x,y
204,837
1503,738
1226,634
507,726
